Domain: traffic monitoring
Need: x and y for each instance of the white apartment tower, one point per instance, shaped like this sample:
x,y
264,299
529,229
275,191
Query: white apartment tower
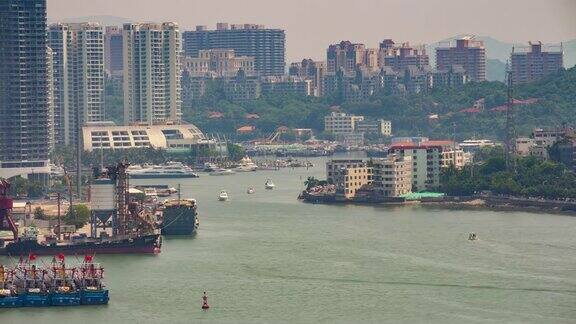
x,y
152,73
78,78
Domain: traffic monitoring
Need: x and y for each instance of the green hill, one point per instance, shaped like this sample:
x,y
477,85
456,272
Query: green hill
x,y
554,96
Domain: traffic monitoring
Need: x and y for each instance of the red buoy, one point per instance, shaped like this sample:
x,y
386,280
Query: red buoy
x,y
205,305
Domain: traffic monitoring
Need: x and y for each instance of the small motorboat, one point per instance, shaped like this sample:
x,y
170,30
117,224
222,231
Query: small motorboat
x,y
221,172
250,191
269,185
472,237
223,196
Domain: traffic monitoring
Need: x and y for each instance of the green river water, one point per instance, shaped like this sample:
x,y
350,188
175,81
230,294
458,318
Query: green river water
x,y
268,258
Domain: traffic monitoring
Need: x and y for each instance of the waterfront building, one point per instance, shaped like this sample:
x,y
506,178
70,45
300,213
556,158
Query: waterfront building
x,y
78,82
152,73
348,175
426,161
379,126
218,62
534,62
265,45
392,176
341,123
113,51
468,53
286,85
24,90
310,70
175,138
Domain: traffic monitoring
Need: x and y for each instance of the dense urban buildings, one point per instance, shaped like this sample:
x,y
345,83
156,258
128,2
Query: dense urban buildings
x,y
219,63
266,45
347,56
152,73
78,69
113,51
400,57
468,53
310,70
286,85
24,89
533,62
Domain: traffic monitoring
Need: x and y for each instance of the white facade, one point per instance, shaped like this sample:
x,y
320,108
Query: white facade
x,y
152,73
426,163
341,123
78,77
176,137
392,176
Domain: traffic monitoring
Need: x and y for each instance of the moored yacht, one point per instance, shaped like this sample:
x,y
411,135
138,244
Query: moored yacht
x,y
246,165
168,170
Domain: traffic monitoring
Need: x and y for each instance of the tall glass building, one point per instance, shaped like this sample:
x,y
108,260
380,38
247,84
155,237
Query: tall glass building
x,y
25,127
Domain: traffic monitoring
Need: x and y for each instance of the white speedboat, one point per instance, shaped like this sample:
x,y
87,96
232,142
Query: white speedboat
x,y
223,196
220,172
246,165
269,185
250,191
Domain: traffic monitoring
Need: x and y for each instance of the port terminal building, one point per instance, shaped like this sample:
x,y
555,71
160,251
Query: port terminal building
x,y
173,138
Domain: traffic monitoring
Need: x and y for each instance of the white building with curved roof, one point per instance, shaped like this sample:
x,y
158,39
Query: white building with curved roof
x,y
169,137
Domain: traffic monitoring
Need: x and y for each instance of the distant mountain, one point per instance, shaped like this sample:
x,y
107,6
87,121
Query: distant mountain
x,y
104,20
495,70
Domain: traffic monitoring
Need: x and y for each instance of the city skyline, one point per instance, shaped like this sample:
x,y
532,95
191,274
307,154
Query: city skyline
x,y
414,21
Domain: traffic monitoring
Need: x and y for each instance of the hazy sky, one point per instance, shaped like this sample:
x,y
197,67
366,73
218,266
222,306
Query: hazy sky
x,y
313,24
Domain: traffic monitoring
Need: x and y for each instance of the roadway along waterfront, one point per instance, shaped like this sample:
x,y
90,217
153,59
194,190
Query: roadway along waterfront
x,y
267,258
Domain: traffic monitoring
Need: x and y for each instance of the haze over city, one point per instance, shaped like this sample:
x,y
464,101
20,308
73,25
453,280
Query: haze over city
x,y
313,24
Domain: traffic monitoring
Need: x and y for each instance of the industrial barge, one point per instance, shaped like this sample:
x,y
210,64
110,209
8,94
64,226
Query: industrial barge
x,y
56,284
179,217
118,224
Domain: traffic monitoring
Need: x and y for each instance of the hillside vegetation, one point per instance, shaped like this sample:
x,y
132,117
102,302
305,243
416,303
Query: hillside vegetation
x,y
410,115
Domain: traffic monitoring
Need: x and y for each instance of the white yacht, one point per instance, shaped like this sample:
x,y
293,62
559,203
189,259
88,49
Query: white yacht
x,y
246,165
223,196
168,170
269,184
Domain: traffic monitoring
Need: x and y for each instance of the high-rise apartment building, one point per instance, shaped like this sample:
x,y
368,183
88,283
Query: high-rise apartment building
x,y
400,57
347,57
78,69
266,45
310,70
468,53
533,62
113,51
24,89
152,73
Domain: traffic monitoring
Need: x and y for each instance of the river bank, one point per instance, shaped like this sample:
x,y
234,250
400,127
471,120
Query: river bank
x,y
480,202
